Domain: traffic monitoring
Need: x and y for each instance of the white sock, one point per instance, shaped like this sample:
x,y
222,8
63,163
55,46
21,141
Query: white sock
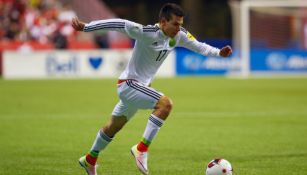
x,y
153,126
101,142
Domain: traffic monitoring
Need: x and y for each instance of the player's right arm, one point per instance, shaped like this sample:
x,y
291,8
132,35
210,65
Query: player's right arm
x,y
188,41
132,29
77,24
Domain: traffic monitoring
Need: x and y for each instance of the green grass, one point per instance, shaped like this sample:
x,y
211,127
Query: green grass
x,y
259,125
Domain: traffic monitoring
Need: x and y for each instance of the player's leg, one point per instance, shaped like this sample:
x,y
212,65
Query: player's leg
x,y
161,111
155,122
105,135
103,138
148,98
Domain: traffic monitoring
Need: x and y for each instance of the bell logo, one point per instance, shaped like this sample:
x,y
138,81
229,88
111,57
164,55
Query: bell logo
x,y
61,66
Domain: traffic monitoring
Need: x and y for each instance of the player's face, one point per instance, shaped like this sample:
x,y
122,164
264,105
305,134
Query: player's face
x,y
172,27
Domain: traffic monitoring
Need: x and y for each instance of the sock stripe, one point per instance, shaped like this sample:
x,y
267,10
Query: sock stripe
x,y
146,142
104,136
155,121
94,153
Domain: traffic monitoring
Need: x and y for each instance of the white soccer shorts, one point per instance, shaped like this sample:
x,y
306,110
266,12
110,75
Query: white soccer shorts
x,y
133,96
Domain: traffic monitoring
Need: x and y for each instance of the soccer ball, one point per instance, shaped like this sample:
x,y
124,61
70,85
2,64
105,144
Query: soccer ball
x,y
219,167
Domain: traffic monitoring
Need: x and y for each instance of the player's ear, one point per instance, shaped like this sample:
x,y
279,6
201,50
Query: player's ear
x,y
163,20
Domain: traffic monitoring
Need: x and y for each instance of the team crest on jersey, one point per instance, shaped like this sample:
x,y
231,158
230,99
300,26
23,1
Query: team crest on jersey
x,y
190,36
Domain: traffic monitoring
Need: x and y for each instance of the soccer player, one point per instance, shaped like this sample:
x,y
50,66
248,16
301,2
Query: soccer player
x,y
153,44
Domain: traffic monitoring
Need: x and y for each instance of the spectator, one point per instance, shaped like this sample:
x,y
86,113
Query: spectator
x,y
42,21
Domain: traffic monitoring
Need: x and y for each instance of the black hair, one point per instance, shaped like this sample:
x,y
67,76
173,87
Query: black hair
x,y
168,9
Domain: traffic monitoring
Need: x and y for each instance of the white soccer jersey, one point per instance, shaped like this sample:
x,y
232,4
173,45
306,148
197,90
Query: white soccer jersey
x,y
151,47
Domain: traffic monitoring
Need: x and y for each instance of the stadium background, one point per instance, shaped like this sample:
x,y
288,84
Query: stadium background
x,y
258,124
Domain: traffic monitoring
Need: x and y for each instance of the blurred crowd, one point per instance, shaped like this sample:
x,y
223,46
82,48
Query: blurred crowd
x,y
43,21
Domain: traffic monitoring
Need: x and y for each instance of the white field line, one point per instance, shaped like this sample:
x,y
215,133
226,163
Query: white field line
x,y
235,114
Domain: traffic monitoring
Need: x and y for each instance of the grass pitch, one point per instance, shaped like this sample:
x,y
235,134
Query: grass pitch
x,y
259,125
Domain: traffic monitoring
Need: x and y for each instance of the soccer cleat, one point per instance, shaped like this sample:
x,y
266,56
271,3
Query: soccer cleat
x,y
90,169
141,159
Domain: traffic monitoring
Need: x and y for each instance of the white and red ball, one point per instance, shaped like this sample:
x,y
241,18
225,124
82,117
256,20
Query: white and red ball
x,y
219,167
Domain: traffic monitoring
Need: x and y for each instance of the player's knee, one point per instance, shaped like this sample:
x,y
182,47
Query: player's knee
x,y
165,104
168,104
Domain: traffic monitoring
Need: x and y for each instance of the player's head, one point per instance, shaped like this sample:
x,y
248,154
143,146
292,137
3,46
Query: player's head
x,y
171,19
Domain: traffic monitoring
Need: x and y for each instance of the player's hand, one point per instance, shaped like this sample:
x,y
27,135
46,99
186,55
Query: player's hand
x,y
77,24
226,51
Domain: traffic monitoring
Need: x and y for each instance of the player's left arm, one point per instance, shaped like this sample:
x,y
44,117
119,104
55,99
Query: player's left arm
x,y
188,41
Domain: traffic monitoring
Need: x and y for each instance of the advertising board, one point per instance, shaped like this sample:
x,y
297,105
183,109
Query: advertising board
x,y
73,64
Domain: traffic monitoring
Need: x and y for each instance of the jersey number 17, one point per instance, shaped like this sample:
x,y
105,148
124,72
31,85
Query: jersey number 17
x,y
162,53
